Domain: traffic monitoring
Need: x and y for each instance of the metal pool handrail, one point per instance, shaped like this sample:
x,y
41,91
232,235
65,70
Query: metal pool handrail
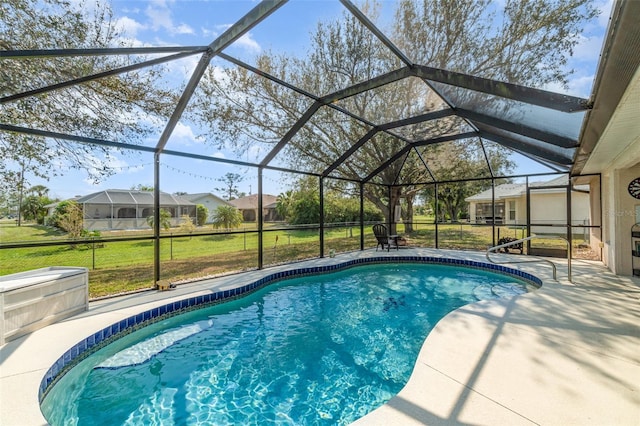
x,y
511,243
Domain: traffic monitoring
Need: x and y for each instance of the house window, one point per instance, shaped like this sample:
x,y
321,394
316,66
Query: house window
x,y
512,210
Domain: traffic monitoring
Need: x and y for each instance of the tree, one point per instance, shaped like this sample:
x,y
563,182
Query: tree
x,y
202,213
305,208
39,190
230,187
58,212
227,217
141,187
186,224
284,204
109,108
33,204
526,42
302,205
33,208
70,218
165,219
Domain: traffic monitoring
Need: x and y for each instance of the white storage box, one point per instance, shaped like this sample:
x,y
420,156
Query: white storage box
x,y
33,299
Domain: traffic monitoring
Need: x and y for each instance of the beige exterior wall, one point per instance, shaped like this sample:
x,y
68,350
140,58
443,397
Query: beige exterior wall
x,y
619,215
550,208
595,235
546,207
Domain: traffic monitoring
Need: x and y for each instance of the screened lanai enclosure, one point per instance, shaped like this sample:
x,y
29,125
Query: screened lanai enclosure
x,y
434,119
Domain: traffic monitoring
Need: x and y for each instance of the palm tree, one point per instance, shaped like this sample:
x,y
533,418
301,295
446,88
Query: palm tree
x,y
39,190
227,217
165,219
284,203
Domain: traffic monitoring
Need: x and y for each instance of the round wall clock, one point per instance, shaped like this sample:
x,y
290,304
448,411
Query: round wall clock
x,y
634,188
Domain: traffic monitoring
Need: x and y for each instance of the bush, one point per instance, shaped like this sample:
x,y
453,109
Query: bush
x,y
186,224
201,214
68,217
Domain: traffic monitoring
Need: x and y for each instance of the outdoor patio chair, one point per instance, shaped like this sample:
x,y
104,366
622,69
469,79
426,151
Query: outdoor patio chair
x,y
383,238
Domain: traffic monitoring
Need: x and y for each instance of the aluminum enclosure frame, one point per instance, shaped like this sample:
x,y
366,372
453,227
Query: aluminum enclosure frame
x,y
477,121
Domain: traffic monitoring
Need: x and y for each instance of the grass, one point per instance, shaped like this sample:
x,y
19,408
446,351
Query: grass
x,y
121,266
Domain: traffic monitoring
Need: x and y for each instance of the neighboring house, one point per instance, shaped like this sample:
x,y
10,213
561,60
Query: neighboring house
x,y
249,207
548,205
128,209
209,200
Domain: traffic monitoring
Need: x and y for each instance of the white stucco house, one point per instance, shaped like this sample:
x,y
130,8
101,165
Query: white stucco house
x,y
548,205
209,200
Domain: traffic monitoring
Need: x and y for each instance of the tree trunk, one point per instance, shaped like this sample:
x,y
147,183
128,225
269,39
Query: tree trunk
x,y
386,209
396,192
408,221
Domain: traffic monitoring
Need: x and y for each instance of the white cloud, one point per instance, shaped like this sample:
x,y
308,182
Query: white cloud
x,y
129,26
246,41
588,48
218,155
159,14
577,86
161,18
183,29
183,134
182,69
209,34
581,86
254,153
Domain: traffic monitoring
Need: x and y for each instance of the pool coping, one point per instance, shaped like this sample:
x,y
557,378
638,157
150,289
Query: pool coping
x,y
25,361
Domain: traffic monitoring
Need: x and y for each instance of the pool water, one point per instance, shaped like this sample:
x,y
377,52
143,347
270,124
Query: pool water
x,y
324,349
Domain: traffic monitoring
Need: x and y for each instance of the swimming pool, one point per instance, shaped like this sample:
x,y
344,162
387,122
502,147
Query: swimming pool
x,y
316,349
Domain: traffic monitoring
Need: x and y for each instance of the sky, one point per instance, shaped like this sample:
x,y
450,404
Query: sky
x,y
199,22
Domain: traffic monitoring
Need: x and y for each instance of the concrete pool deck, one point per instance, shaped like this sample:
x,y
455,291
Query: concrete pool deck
x,y
567,354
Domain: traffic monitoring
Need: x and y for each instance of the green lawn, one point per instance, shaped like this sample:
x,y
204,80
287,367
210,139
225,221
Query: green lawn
x,y
119,266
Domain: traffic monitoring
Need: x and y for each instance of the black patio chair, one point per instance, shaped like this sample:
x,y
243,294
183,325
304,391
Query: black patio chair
x,y
383,238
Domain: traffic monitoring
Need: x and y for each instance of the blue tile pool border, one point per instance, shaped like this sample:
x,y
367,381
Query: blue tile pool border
x,y
98,340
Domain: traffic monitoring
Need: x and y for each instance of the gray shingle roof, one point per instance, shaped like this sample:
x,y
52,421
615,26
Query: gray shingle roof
x,y
512,190
506,190
132,197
